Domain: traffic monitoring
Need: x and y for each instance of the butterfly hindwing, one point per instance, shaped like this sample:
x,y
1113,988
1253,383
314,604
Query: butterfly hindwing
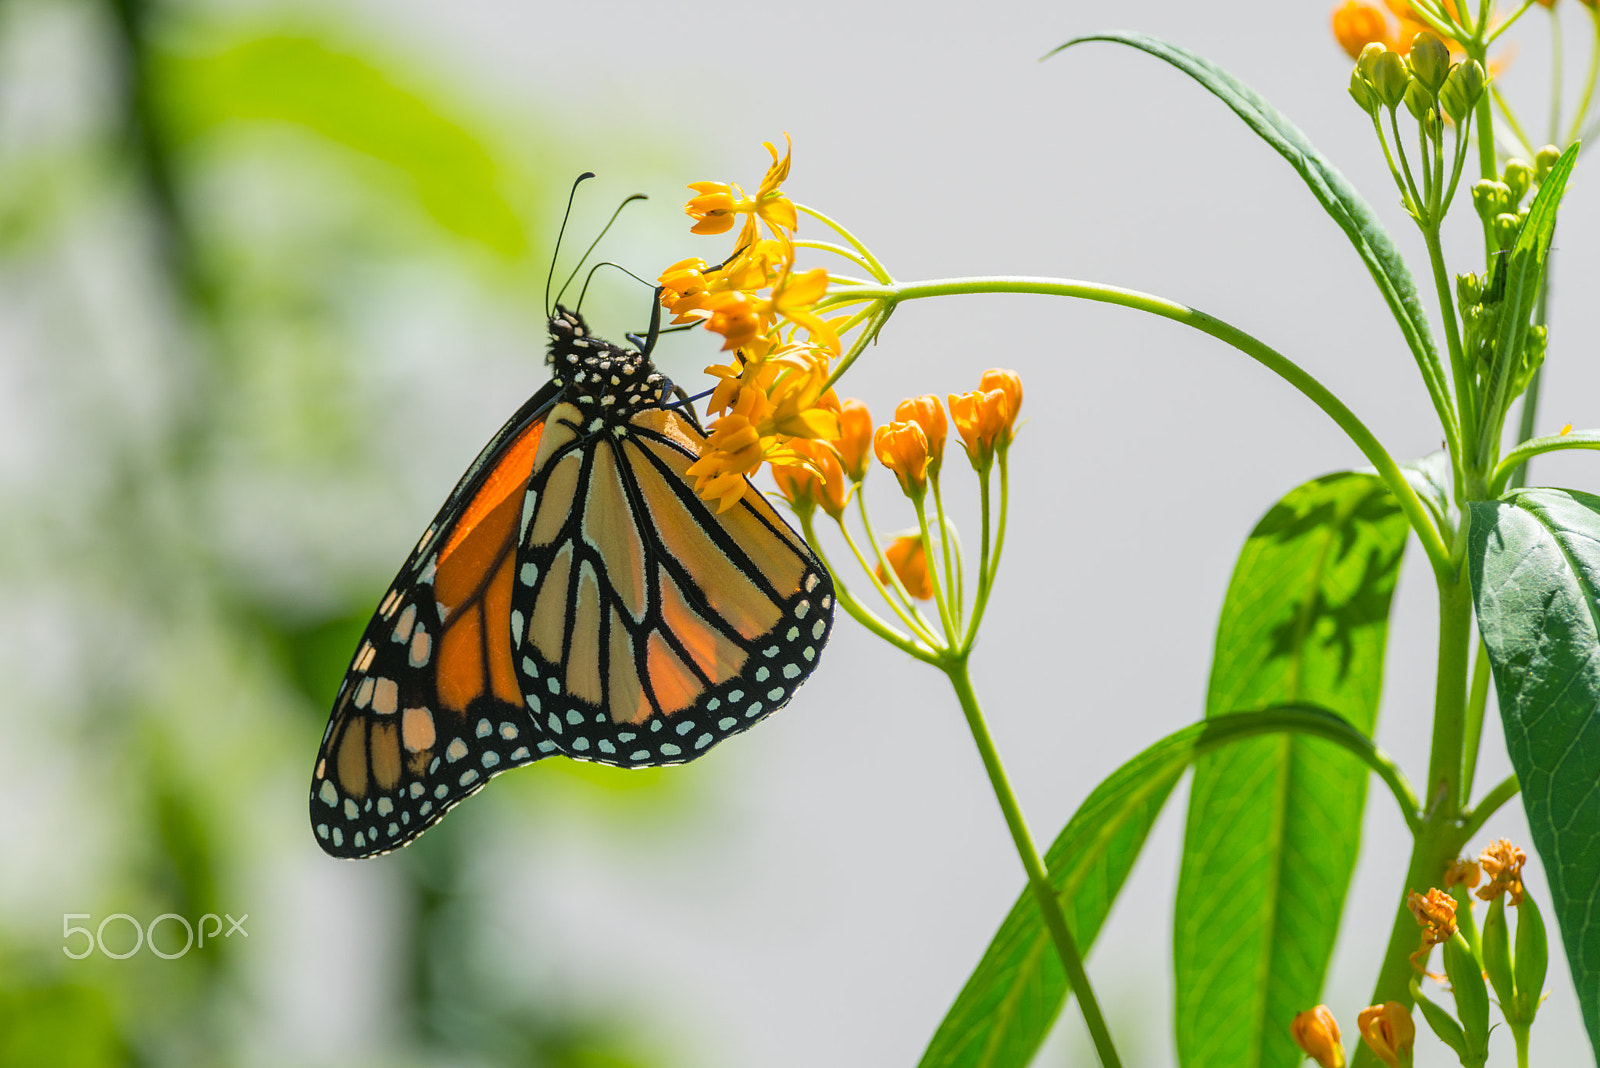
x,y
430,707
648,627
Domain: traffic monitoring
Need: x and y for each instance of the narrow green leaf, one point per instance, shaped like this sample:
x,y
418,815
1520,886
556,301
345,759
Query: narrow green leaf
x,y
1013,996
350,101
1534,559
1275,824
1337,196
1524,272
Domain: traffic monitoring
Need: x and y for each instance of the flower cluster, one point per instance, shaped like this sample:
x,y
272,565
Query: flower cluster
x,y
771,395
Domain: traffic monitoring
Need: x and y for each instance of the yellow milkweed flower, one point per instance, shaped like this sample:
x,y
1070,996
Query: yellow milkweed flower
x,y
715,204
909,558
1316,1032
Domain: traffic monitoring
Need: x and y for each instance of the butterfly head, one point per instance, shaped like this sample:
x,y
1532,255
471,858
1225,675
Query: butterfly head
x,y
603,380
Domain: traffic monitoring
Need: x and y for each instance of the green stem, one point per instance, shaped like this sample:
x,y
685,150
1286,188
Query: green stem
x,y
944,549
1507,24
1488,805
1256,349
1466,403
1530,396
1581,439
1519,1033
858,611
868,260
1439,838
945,616
894,595
1488,164
1511,121
1555,76
1050,905
1444,790
1588,84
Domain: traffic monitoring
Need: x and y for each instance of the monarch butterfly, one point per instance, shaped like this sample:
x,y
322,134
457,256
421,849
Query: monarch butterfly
x,y
573,596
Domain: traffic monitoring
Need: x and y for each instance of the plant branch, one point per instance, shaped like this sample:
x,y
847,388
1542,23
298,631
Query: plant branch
x,y
1256,349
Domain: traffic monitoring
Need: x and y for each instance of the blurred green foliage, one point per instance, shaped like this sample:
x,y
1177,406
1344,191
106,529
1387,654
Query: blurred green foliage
x,y
202,242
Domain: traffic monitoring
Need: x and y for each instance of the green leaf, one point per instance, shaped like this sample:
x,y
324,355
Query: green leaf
x,y
1432,479
1013,996
1524,271
1337,196
1275,824
347,100
1534,560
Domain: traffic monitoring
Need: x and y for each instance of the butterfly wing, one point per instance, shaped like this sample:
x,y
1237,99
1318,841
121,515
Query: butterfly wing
x,y
647,626
431,707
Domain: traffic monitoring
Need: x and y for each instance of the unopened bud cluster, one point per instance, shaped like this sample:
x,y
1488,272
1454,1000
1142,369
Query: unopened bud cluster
x,y
1426,81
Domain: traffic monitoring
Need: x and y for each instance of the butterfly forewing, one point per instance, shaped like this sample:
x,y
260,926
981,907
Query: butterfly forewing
x,y
430,707
648,626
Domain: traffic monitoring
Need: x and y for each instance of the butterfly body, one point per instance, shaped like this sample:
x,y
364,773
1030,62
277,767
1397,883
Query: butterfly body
x,y
572,597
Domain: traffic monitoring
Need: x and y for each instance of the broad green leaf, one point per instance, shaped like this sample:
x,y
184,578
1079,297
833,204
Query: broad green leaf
x,y
1275,824
1013,996
303,82
1523,274
1534,560
1337,196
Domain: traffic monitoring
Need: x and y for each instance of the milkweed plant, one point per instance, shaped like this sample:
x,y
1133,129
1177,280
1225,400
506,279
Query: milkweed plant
x,y
1517,568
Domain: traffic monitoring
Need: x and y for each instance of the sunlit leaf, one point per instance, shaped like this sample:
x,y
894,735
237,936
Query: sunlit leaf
x,y
1275,824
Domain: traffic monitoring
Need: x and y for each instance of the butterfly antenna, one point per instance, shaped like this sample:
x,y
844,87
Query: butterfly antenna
x,y
584,177
606,263
602,234
686,401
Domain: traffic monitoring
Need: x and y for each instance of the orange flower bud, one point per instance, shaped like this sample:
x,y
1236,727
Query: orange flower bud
x,y
1357,24
1316,1032
812,478
980,418
1388,1031
855,438
910,562
902,447
1010,384
926,413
